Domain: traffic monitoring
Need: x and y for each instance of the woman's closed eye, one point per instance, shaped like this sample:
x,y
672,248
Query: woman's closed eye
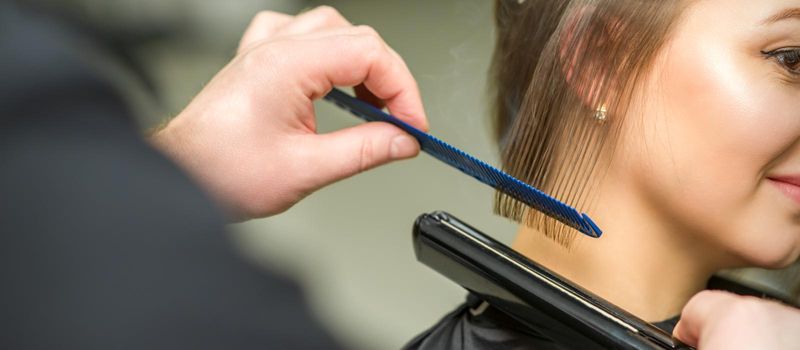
x,y
787,57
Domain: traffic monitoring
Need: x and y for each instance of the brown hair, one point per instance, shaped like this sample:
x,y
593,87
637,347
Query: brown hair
x,y
564,72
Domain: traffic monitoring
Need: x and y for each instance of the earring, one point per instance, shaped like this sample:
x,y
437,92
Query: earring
x,y
601,113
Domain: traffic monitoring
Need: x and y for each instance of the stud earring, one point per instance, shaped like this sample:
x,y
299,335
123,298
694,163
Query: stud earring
x,y
601,113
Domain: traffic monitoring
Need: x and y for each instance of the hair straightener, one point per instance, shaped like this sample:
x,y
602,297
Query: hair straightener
x,y
526,291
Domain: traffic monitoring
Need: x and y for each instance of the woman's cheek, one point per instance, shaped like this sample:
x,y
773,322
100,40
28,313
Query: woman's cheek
x,y
742,124
710,138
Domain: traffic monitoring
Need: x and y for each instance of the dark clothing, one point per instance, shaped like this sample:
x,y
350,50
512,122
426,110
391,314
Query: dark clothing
x,y
104,244
475,325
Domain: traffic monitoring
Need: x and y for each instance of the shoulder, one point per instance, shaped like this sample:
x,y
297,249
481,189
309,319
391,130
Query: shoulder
x,y
46,59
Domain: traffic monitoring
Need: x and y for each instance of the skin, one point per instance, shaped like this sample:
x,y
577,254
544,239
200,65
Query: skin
x,y
688,192
715,320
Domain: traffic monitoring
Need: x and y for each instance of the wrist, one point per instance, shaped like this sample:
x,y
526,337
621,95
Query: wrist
x,y
163,138
181,143
173,143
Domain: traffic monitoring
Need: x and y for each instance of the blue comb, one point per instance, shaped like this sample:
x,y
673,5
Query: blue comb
x,y
473,166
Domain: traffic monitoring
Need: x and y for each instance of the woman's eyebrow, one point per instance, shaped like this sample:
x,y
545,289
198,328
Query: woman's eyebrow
x,y
782,15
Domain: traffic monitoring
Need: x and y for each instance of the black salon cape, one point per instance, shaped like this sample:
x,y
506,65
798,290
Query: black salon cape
x,y
475,325
104,243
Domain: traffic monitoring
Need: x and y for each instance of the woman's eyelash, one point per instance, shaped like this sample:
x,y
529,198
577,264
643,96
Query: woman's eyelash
x,y
788,57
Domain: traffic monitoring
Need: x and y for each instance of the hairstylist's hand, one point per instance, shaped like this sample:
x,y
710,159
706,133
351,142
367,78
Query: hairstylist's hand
x,y
250,135
715,320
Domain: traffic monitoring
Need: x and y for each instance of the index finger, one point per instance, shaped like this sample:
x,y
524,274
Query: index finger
x,y
263,26
355,55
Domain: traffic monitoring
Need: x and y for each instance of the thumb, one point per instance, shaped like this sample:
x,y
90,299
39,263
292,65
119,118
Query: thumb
x,y
685,334
347,152
698,313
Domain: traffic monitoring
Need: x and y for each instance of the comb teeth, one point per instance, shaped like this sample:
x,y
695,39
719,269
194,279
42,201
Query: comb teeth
x,y
472,166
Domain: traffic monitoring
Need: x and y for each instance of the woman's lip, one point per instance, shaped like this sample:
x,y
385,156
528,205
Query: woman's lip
x,y
790,179
789,185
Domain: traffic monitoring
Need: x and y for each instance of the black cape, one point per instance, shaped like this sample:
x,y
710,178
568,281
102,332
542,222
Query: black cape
x,y
477,325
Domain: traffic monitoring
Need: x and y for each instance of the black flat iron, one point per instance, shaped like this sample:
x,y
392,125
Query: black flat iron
x,y
527,291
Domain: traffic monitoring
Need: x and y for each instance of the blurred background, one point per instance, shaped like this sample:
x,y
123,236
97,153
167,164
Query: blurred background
x,y
349,244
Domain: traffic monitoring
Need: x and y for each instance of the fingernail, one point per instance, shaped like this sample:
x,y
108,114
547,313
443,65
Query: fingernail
x,y
403,146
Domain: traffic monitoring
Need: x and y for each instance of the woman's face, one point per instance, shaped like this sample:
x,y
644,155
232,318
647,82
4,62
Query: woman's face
x,y
720,152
